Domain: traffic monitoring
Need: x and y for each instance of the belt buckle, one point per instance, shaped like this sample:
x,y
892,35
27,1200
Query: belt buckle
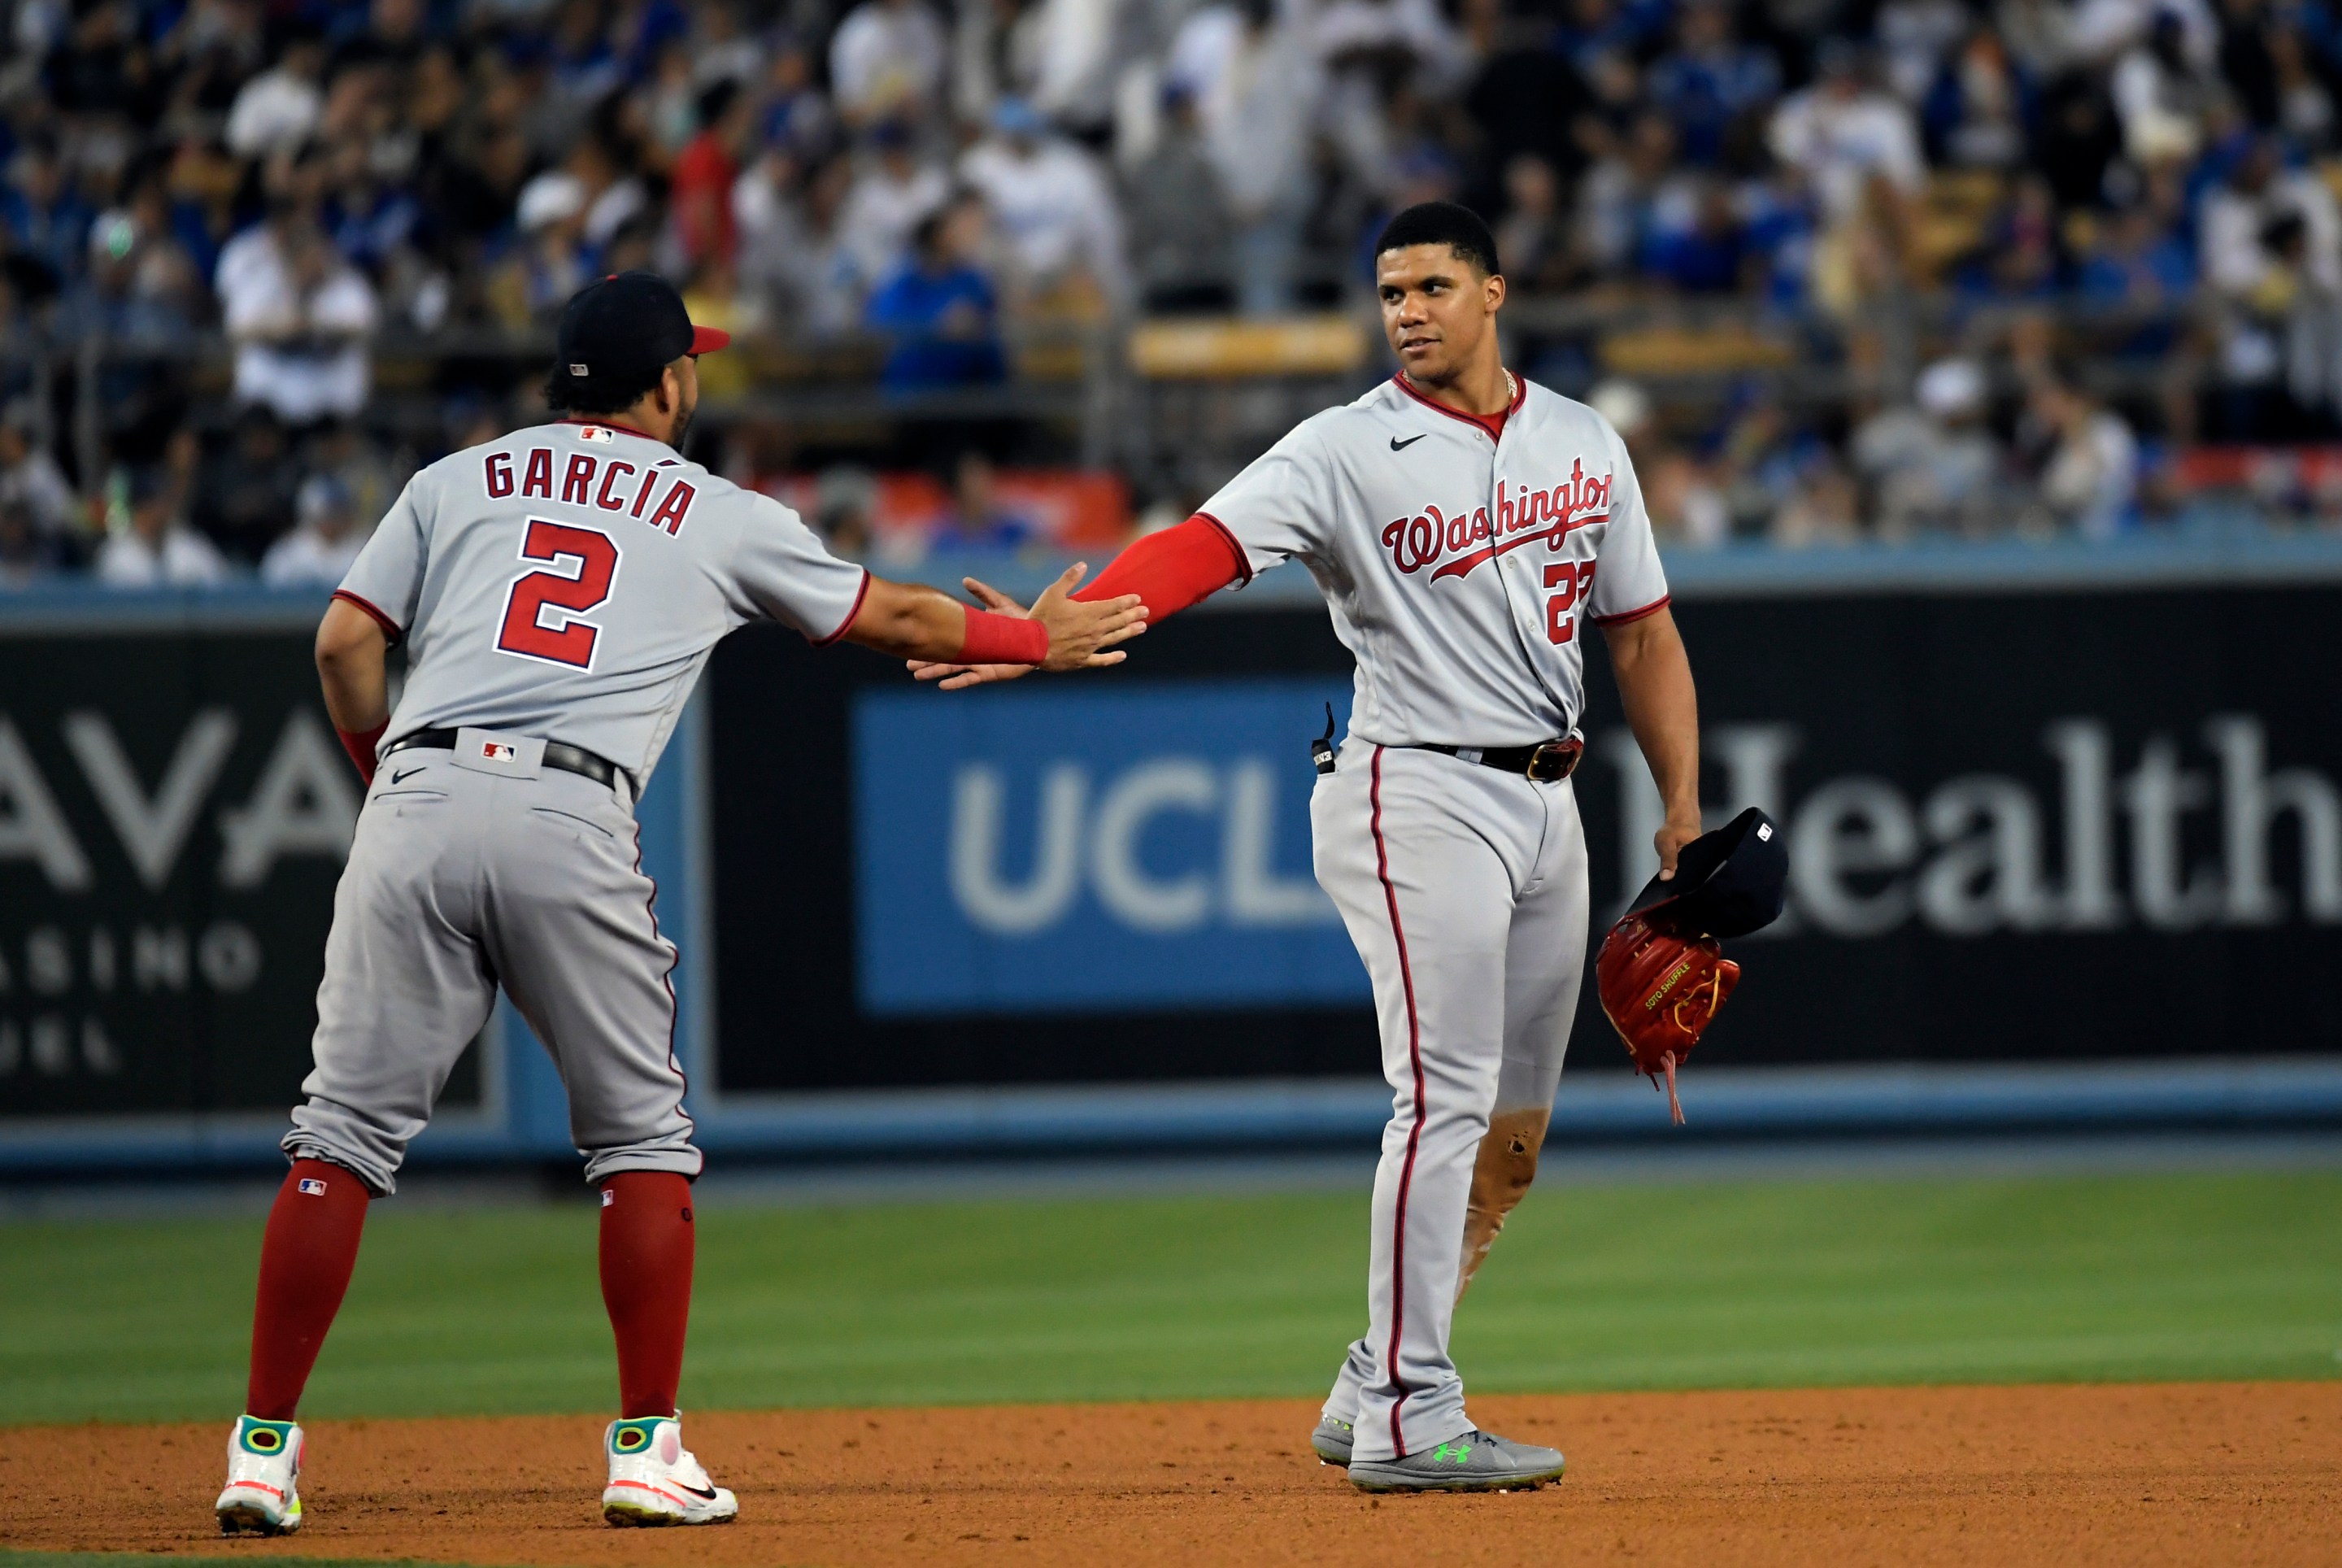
x,y
1554,760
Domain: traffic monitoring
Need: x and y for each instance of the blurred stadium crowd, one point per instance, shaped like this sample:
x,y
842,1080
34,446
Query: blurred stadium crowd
x,y
1842,269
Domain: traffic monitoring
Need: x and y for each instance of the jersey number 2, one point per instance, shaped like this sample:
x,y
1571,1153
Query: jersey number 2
x,y
570,642
1572,581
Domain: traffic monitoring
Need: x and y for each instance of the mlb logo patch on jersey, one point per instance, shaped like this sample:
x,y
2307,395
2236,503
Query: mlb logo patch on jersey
x,y
595,433
312,1187
495,751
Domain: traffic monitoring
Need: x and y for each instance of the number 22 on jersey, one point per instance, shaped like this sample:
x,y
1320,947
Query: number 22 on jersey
x,y
565,595
1573,581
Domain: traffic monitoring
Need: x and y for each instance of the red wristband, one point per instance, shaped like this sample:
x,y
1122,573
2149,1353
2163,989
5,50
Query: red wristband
x,y
360,745
1003,640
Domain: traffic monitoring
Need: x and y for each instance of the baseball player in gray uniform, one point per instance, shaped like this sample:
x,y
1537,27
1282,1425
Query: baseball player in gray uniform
x,y
1467,526
559,592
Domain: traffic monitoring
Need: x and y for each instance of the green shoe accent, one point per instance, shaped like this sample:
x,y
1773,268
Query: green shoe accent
x,y
633,1436
254,1435
1453,1453
1333,1440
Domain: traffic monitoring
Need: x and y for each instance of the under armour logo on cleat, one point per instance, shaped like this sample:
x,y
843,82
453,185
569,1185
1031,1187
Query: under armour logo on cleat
x,y
1399,445
1452,1452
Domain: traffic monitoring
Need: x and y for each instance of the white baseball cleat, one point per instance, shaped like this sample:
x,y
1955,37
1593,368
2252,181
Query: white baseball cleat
x,y
264,1475
655,1480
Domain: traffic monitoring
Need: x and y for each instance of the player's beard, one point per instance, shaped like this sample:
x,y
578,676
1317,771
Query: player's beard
x,y
681,430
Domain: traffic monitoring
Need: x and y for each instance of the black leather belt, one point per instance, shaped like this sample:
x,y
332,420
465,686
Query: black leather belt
x,y
567,759
1546,762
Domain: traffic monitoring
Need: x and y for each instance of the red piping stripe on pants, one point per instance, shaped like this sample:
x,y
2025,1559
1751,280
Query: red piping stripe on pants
x,y
1415,1131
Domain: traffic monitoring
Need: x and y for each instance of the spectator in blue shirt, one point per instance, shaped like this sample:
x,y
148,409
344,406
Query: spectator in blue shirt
x,y
1980,111
368,220
1591,29
1709,253
941,310
2021,257
1778,210
2137,260
979,519
45,217
1711,79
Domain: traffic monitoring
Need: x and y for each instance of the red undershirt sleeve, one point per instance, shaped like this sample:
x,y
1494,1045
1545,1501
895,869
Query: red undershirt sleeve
x,y
1173,569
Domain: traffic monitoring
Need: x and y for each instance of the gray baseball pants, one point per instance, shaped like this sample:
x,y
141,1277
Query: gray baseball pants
x,y
1465,889
464,875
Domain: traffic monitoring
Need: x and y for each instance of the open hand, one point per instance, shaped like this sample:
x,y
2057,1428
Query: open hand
x,y
1100,624
1080,630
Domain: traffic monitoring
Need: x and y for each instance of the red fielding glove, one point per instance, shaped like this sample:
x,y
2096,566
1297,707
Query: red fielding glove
x,y
1002,639
1661,992
360,745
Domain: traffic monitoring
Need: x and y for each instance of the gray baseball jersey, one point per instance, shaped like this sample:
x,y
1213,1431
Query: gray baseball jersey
x,y
1460,564
570,580
564,584
1462,558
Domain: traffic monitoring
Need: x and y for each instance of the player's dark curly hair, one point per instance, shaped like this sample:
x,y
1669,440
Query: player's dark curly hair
x,y
1442,223
567,394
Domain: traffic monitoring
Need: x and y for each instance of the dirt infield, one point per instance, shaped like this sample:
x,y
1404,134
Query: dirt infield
x,y
2179,1473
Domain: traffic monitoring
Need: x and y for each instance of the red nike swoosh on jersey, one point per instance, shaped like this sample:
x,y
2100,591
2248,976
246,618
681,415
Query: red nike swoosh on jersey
x,y
1462,564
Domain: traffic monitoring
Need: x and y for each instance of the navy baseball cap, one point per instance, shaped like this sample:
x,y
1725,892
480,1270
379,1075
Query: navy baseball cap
x,y
620,333
1728,883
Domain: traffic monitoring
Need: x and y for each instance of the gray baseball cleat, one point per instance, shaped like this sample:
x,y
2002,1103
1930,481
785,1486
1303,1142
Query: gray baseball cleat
x,y
1333,1441
1475,1461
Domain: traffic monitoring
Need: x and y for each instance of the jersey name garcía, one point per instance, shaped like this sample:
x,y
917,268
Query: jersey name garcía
x,y
570,580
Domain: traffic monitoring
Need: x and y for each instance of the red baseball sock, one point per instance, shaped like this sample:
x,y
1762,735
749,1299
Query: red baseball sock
x,y
305,1268
646,1248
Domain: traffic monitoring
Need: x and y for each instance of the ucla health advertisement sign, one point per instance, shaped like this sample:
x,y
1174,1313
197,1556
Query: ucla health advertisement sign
x,y
2022,826
1066,846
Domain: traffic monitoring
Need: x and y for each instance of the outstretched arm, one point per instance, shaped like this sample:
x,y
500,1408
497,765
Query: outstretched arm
x,y
913,621
1654,683
1167,572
